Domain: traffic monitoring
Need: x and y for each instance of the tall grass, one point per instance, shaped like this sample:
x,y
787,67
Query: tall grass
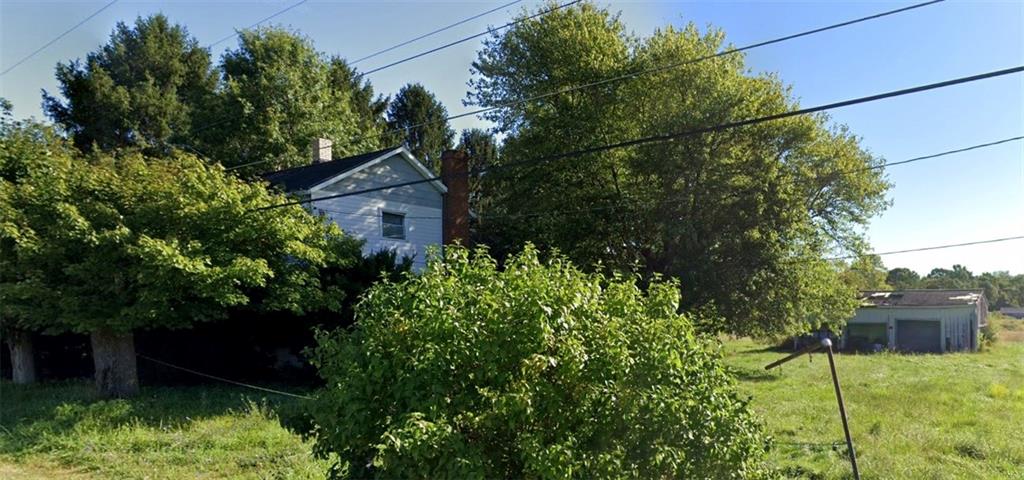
x,y
179,432
953,416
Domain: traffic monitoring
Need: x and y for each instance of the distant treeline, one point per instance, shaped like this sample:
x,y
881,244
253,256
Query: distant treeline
x,y
1001,288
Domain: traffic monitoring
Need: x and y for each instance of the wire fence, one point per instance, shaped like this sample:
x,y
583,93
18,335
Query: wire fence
x,y
222,379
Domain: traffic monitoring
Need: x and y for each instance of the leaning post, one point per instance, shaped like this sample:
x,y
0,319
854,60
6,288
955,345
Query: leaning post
x,y
826,344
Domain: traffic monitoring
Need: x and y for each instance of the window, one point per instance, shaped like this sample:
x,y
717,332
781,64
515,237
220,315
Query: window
x,y
392,225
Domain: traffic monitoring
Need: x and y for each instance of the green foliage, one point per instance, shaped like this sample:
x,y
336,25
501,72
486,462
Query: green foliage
x,y
902,278
421,118
152,87
27,149
957,277
989,335
743,218
369,108
482,149
279,94
867,272
126,242
1001,288
537,370
147,87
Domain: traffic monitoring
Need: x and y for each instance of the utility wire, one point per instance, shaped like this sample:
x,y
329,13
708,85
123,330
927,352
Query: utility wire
x,y
940,154
686,133
621,77
270,17
934,247
425,35
222,379
656,69
62,35
471,37
842,172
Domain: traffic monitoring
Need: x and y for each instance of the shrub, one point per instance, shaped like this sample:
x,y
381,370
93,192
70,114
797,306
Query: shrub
x,y
537,370
989,336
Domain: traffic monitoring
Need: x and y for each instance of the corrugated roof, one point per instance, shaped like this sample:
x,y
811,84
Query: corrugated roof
x,y
308,176
921,298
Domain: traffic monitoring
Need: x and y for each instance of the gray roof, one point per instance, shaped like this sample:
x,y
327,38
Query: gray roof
x,y
921,298
308,176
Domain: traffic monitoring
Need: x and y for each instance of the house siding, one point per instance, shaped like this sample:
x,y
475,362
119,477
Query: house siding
x,y
959,325
360,215
389,172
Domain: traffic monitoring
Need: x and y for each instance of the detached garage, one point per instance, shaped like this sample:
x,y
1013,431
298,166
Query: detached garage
x,y
933,321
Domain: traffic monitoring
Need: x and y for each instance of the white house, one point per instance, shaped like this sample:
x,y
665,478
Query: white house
x,y
918,321
408,219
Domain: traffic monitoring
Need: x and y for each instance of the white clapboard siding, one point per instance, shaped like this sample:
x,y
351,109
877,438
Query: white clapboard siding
x,y
360,215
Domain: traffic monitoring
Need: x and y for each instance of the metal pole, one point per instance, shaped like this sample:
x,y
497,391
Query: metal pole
x,y
842,408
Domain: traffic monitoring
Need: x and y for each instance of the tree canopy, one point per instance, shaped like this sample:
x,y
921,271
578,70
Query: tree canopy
x,y
110,244
147,87
1001,288
421,124
151,87
278,94
745,218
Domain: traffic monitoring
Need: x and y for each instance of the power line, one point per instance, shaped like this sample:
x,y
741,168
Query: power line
x,y
941,154
842,172
934,247
686,133
439,30
622,77
657,69
270,17
471,37
222,379
62,35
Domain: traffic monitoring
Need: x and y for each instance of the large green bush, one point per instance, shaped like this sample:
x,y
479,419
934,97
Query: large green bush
x,y
536,370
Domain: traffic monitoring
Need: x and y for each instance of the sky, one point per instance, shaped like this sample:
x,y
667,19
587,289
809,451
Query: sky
x,y
960,198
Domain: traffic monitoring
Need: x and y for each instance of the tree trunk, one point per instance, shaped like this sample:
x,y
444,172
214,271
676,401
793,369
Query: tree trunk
x,y
23,357
113,355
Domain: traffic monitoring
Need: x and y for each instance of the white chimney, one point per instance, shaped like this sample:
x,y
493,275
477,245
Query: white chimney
x,y
321,150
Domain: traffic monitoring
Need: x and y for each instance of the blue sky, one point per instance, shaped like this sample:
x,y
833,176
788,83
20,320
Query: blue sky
x,y
960,198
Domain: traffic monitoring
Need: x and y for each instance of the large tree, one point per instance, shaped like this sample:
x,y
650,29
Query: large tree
x,y
148,87
114,244
25,147
745,218
867,272
419,121
902,278
955,278
482,149
370,108
278,94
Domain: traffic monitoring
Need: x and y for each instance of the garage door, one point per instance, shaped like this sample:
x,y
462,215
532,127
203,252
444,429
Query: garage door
x,y
919,335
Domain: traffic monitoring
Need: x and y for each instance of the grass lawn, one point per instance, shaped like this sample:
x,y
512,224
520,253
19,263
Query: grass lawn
x,y
954,416
59,430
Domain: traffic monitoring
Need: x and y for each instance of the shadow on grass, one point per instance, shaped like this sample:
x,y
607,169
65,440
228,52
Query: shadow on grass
x,y
747,374
32,415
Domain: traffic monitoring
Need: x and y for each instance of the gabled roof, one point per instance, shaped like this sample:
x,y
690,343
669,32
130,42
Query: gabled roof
x,y
921,298
303,178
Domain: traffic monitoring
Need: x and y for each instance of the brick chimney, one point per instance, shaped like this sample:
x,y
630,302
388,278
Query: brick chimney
x,y
455,175
321,149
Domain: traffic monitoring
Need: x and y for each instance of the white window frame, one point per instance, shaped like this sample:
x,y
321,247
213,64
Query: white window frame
x,y
405,227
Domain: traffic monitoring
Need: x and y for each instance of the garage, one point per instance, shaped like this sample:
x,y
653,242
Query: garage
x,y
919,335
917,321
